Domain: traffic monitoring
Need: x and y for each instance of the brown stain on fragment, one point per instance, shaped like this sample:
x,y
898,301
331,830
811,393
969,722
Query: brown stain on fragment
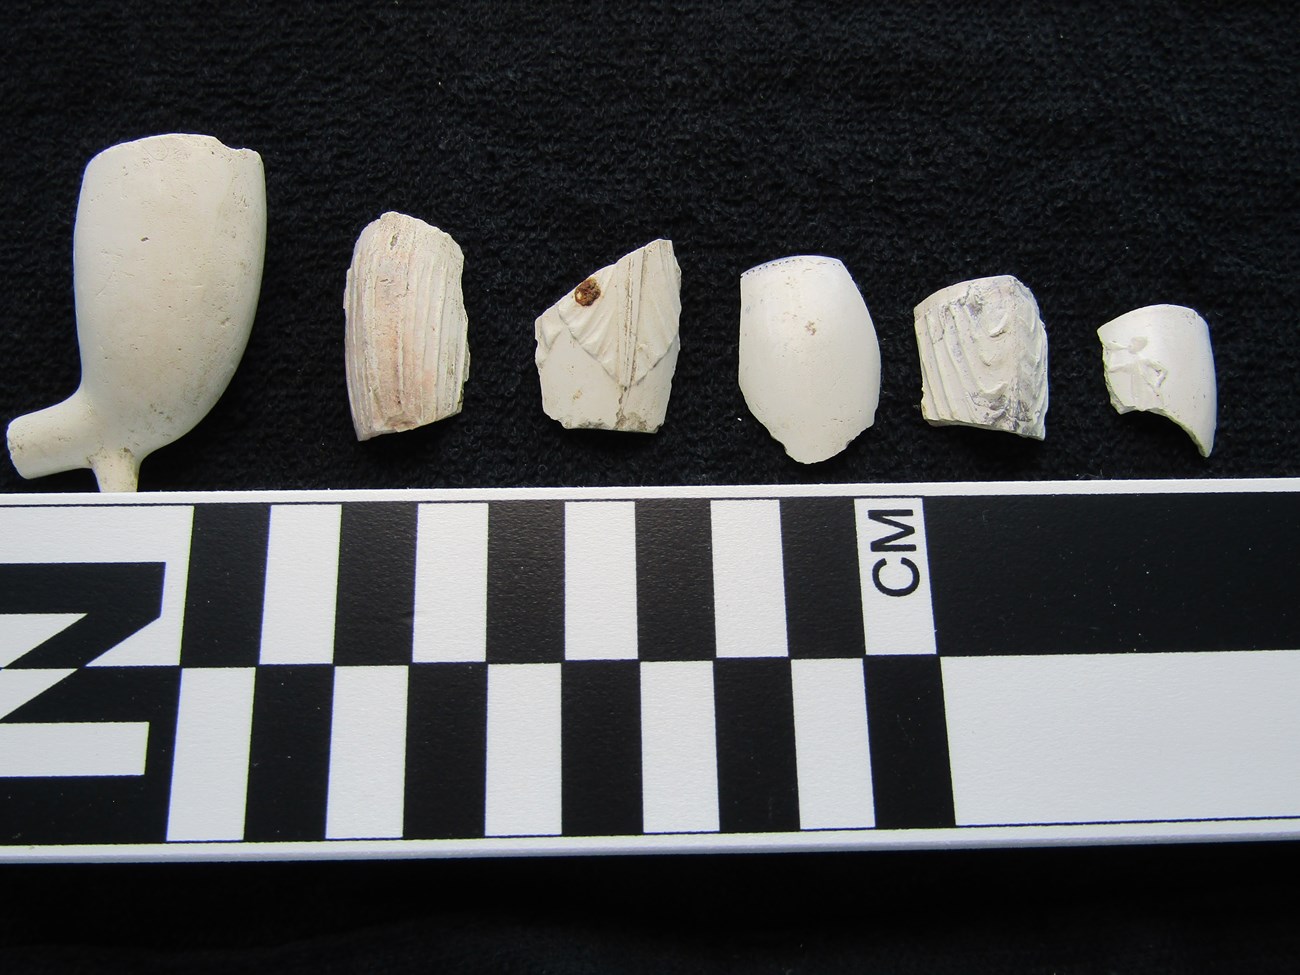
x,y
586,293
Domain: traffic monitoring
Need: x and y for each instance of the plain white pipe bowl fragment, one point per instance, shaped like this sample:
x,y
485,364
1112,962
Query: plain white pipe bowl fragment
x,y
607,350
1158,359
983,354
809,359
167,264
406,355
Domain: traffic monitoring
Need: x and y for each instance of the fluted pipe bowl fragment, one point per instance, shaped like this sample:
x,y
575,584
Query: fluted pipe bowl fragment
x,y
167,263
406,350
607,351
983,351
809,359
1158,359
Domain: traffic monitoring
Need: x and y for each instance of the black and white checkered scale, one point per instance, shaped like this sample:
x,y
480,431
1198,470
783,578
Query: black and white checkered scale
x,y
506,666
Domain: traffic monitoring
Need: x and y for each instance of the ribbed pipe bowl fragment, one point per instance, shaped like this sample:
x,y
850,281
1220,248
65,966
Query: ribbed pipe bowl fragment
x,y
983,352
406,332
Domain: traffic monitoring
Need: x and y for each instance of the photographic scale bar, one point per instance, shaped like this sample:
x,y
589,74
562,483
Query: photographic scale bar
x,y
427,673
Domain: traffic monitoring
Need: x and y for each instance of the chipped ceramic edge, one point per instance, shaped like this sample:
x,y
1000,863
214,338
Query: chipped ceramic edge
x,y
406,330
809,363
1159,359
607,351
167,252
983,353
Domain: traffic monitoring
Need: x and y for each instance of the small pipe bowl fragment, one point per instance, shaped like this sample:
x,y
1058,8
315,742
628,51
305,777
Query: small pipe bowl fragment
x,y
809,358
607,351
983,351
1158,359
406,350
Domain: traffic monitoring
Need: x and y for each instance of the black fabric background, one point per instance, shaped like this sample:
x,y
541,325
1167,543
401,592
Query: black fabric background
x,y
1110,156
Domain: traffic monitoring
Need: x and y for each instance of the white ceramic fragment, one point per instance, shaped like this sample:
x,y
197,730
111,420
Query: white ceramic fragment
x,y
983,355
1159,359
406,355
607,350
809,359
167,264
